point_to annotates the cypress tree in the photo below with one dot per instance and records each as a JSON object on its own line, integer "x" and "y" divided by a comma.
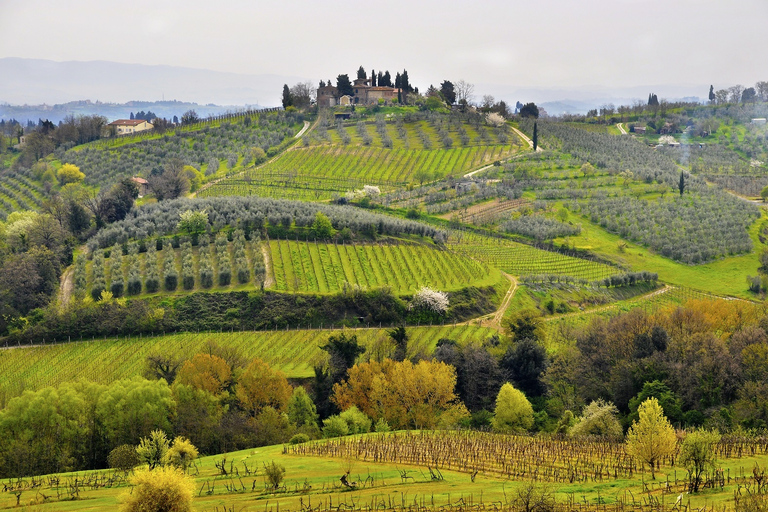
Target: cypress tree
{"x": 681, "y": 185}
{"x": 535, "y": 136}
{"x": 287, "y": 100}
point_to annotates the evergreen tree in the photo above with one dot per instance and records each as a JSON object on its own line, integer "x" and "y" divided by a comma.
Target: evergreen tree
{"x": 386, "y": 80}
{"x": 373, "y": 78}
{"x": 404, "y": 84}
{"x": 711, "y": 93}
{"x": 322, "y": 83}
{"x": 287, "y": 99}
{"x": 681, "y": 185}
{"x": 131, "y": 115}
{"x": 344, "y": 85}
{"x": 449, "y": 95}
{"x": 398, "y": 81}
{"x": 361, "y": 74}
{"x": 535, "y": 136}
{"x": 380, "y": 79}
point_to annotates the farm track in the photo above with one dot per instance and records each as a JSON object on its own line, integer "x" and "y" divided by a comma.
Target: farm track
{"x": 667, "y": 288}
{"x": 269, "y": 280}
{"x": 620, "y": 126}
{"x": 526, "y": 139}
{"x": 66, "y": 286}
{"x": 497, "y": 316}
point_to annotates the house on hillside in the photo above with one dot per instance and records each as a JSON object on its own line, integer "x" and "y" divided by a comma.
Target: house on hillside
{"x": 124, "y": 126}
{"x": 142, "y": 184}
{"x": 362, "y": 94}
{"x": 759, "y": 120}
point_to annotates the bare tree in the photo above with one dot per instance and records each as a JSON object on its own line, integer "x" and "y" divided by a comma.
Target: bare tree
{"x": 464, "y": 92}
{"x": 762, "y": 90}
{"x": 735, "y": 93}
{"x": 303, "y": 94}
{"x": 721, "y": 96}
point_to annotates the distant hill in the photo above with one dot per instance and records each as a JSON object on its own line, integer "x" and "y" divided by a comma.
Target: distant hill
{"x": 36, "y": 81}
{"x": 111, "y": 111}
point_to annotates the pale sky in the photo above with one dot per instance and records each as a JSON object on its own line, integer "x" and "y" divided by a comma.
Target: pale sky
{"x": 511, "y": 43}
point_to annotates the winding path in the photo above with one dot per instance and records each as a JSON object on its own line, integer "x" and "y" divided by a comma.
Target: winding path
{"x": 494, "y": 319}
{"x": 620, "y": 126}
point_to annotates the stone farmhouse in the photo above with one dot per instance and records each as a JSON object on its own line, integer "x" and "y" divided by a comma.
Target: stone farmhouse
{"x": 363, "y": 94}
{"x": 124, "y": 126}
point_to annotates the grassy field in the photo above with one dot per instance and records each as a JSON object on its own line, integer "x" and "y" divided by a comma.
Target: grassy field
{"x": 312, "y": 481}
{"x": 327, "y": 268}
{"x": 293, "y": 352}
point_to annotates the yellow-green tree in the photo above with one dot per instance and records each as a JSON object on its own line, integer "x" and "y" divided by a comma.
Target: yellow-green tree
{"x": 69, "y": 173}
{"x": 652, "y": 437}
{"x": 163, "y": 490}
{"x": 513, "y": 412}
{"x": 180, "y": 454}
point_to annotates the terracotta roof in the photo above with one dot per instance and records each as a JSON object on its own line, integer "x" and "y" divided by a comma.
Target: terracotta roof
{"x": 382, "y": 88}
{"x": 127, "y": 122}
{"x": 141, "y": 181}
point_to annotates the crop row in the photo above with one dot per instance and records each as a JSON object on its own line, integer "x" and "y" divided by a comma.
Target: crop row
{"x": 219, "y": 265}
{"x": 321, "y": 267}
{"x": 520, "y": 259}
{"x": 382, "y": 166}
{"x": 107, "y": 360}
{"x": 18, "y": 192}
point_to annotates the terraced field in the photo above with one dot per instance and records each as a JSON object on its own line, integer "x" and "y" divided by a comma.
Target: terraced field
{"x": 106, "y": 360}
{"x": 327, "y": 268}
{"x": 343, "y": 158}
{"x": 520, "y": 259}
{"x": 18, "y": 192}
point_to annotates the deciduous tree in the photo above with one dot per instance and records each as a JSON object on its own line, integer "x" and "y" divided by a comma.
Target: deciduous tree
{"x": 260, "y": 386}
{"x": 513, "y": 412}
{"x": 697, "y": 454}
{"x": 651, "y": 439}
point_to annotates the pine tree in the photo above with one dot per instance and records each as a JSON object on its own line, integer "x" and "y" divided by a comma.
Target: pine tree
{"x": 535, "y": 136}
{"x": 132, "y": 115}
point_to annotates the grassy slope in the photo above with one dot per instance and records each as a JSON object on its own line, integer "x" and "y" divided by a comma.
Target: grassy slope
{"x": 387, "y": 487}
{"x": 726, "y": 276}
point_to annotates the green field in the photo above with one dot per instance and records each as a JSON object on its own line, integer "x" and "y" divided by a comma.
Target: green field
{"x": 327, "y": 268}
{"x": 105, "y": 360}
{"x": 520, "y": 259}
{"x": 333, "y": 161}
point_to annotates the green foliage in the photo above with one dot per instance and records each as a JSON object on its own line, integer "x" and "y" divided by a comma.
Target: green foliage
{"x": 322, "y": 227}
{"x": 697, "y": 454}
{"x": 599, "y": 418}
{"x": 335, "y": 426}
{"x": 669, "y": 401}
{"x": 275, "y": 474}
{"x": 513, "y": 412}
{"x": 124, "y": 457}
{"x": 357, "y": 421}
{"x": 299, "y": 439}
{"x": 152, "y": 450}
{"x": 193, "y": 223}
{"x": 301, "y": 409}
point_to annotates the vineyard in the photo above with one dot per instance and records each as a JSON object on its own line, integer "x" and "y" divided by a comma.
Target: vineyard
{"x": 520, "y": 259}
{"x": 105, "y": 360}
{"x": 18, "y": 193}
{"x": 337, "y": 159}
{"x": 328, "y": 268}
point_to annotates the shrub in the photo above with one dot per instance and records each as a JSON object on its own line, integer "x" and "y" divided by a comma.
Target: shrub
{"x": 124, "y": 457}
{"x": 335, "y": 426}
{"x": 430, "y": 300}
{"x": 298, "y": 439}
{"x": 513, "y": 412}
{"x": 275, "y": 474}
{"x": 166, "y": 490}
{"x": 357, "y": 421}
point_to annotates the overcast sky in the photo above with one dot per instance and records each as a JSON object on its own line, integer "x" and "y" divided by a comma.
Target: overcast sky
{"x": 510, "y": 43}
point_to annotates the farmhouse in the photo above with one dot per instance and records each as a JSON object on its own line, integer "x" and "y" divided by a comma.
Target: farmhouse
{"x": 363, "y": 94}
{"x": 123, "y": 126}
{"x": 142, "y": 184}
